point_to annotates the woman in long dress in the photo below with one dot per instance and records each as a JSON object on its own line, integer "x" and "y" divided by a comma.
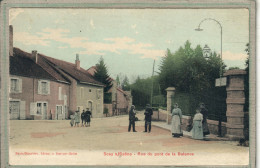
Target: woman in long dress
{"x": 77, "y": 118}
{"x": 197, "y": 130}
{"x": 176, "y": 121}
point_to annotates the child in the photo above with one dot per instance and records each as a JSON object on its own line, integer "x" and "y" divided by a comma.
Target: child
{"x": 72, "y": 118}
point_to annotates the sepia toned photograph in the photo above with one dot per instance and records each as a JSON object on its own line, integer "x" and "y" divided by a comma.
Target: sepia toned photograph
{"x": 128, "y": 84}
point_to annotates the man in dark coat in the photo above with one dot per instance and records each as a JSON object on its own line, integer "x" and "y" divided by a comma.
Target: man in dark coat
{"x": 132, "y": 119}
{"x": 204, "y": 112}
{"x": 83, "y": 115}
{"x": 88, "y": 115}
{"x": 148, "y": 117}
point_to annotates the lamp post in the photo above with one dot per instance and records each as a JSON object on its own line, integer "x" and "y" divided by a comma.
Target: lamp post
{"x": 206, "y": 52}
{"x": 220, "y": 26}
{"x": 220, "y": 71}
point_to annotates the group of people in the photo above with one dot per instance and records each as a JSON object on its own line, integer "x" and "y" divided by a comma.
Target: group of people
{"x": 85, "y": 118}
{"x": 148, "y": 118}
{"x": 199, "y": 125}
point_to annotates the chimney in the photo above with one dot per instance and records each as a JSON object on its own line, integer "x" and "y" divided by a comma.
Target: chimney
{"x": 35, "y": 56}
{"x": 77, "y": 62}
{"x": 11, "y": 47}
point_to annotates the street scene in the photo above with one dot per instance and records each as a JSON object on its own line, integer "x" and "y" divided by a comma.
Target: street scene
{"x": 110, "y": 135}
{"x": 129, "y": 86}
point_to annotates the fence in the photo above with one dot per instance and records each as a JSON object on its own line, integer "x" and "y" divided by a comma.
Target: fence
{"x": 215, "y": 101}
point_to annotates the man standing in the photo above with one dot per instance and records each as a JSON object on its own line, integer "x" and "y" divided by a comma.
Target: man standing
{"x": 87, "y": 117}
{"x": 148, "y": 117}
{"x": 132, "y": 119}
{"x": 83, "y": 118}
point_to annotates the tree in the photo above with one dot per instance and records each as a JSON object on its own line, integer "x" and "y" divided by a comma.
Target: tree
{"x": 188, "y": 71}
{"x": 246, "y": 83}
{"x": 193, "y": 78}
{"x": 117, "y": 80}
{"x": 125, "y": 84}
{"x": 101, "y": 75}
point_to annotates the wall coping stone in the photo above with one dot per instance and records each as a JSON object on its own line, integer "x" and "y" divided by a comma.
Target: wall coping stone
{"x": 235, "y": 126}
{"x": 170, "y": 89}
{"x": 235, "y": 72}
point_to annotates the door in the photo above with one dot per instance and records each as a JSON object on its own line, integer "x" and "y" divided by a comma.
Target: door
{"x": 44, "y": 110}
{"x": 14, "y": 107}
{"x": 90, "y": 105}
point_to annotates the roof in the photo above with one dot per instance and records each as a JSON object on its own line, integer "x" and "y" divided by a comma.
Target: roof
{"x": 120, "y": 90}
{"x": 21, "y": 64}
{"x": 81, "y": 75}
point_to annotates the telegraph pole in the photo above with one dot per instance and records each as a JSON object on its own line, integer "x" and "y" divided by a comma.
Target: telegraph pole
{"x": 151, "y": 101}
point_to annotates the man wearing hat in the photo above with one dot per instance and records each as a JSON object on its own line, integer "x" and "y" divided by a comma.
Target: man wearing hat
{"x": 148, "y": 117}
{"x": 83, "y": 118}
{"x": 132, "y": 119}
{"x": 88, "y": 115}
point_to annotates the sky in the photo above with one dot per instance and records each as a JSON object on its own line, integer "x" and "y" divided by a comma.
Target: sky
{"x": 129, "y": 40}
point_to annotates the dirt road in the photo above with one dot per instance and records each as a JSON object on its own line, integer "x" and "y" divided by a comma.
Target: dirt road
{"x": 107, "y": 142}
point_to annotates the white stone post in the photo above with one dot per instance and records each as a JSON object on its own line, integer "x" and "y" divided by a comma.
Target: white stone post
{"x": 170, "y": 94}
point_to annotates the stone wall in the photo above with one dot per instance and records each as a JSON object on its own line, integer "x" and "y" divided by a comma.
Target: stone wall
{"x": 186, "y": 121}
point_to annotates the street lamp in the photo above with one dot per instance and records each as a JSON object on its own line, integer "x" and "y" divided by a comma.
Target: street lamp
{"x": 199, "y": 29}
{"x": 220, "y": 71}
{"x": 206, "y": 52}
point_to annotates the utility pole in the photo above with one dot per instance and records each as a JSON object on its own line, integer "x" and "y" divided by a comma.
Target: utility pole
{"x": 152, "y": 86}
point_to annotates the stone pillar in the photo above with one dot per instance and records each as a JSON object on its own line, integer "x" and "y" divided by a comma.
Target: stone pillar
{"x": 170, "y": 94}
{"x": 235, "y": 103}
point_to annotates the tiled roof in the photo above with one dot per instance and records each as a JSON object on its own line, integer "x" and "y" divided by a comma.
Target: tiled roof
{"x": 120, "y": 90}
{"x": 23, "y": 64}
{"x": 81, "y": 75}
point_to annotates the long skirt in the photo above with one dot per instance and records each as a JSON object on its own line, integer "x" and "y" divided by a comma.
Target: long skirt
{"x": 205, "y": 128}
{"x": 176, "y": 126}
{"x": 197, "y": 130}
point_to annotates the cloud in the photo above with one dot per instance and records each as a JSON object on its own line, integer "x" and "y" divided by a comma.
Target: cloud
{"x": 13, "y": 13}
{"x": 133, "y": 26}
{"x": 227, "y": 55}
{"x": 115, "y": 45}
{"x": 28, "y": 39}
{"x": 92, "y": 24}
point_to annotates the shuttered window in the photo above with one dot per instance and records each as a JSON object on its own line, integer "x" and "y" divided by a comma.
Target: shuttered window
{"x": 43, "y": 87}
{"x": 16, "y": 85}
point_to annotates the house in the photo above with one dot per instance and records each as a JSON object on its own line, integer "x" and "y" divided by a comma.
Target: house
{"x": 121, "y": 101}
{"x": 42, "y": 87}
{"x": 124, "y": 101}
{"x": 35, "y": 93}
{"x": 85, "y": 91}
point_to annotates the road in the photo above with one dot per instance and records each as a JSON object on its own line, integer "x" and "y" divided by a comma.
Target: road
{"x": 107, "y": 142}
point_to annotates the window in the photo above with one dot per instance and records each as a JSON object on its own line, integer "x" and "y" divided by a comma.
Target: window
{"x": 89, "y": 90}
{"x": 15, "y": 85}
{"x": 43, "y": 87}
{"x": 38, "y": 108}
{"x": 60, "y": 93}
{"x": 82, "y": 92}
{"x": 99, "y": 92}
{"x": 59, "y": 109}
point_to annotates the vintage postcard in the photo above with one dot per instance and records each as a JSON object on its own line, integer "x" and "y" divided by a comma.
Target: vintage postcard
{"x": 128, "y": 83}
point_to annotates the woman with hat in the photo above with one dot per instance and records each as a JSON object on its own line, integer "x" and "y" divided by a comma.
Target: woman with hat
{"x": 176, "y": 122}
